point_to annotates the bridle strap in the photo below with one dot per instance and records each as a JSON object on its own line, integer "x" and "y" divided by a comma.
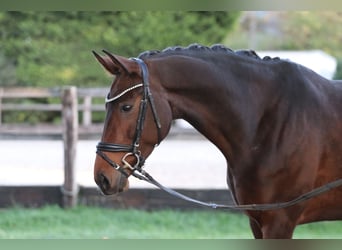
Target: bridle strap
{"x": 155, "y": 117}
{"x": 133, "y": 150}
{"x": 108, "y": 100}
{"x": 112, "y": 163}
{"x": 147, "y": 96}
{"x": 112, "y": 147}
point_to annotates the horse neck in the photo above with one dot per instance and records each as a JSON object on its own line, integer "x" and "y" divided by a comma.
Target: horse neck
{"x": 220, "y": 104}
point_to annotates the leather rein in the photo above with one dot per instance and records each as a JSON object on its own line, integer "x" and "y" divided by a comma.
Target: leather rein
{"x": 138, "y": 171}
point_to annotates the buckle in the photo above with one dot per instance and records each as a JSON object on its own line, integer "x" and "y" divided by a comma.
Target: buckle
{"x": 127, "y": 164}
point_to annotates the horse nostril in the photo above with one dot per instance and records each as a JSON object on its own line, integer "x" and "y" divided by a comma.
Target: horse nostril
{"x": 104, "y": 182}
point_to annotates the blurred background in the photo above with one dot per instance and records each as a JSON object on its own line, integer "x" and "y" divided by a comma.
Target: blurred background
{"x": 51, "y": 49}
{"x": 41, "y": 53}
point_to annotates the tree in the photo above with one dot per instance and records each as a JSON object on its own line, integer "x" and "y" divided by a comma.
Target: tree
{"x": 7, "y": 69}
{"x": 54, "y": 48}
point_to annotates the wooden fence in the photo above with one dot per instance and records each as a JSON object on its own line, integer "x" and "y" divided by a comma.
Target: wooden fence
{"x": 84, "y": 97}
{"x": 69, "y": 107}
{"x": 71, "y": 102}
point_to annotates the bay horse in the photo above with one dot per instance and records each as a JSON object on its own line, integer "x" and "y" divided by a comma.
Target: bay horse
{"x": 277, "y": 123}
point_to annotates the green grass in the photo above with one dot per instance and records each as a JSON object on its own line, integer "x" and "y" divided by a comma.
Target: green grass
{"x": 52, "y": 222}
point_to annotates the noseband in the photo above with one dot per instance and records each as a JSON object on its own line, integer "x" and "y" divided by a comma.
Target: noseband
{"x": 133, "y": 149}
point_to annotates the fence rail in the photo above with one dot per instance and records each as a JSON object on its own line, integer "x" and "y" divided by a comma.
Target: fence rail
{"x": 69, "y": 129}
{"x": 84, "y": 95}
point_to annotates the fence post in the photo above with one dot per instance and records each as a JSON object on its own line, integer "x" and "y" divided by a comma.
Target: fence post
{"x": 70, "y": 137}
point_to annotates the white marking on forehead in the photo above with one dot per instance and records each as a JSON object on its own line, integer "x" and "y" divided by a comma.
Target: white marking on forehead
{"x": 122, "y": 93}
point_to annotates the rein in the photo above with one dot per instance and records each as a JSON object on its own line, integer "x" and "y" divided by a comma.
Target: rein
{"x": 143, "y": 175}
{"x": 138, "y": 172}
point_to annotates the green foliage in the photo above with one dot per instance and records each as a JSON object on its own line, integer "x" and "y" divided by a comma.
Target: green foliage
{"x": 7, "y": 69}
{"x": 313, "y": 30}
{"x": 54, "y": 48}
{"x": 292, "y": 30}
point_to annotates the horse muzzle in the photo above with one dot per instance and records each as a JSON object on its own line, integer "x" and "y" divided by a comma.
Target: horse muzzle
{"x": 109, "y": 180}
{"x": 111, "y": 184}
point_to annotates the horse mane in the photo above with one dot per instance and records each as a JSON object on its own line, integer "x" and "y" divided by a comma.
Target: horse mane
{"x": 197, "y": 47}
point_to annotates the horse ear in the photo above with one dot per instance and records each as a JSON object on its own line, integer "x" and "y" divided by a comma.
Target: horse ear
{"x": 117, "y": 64}
{"x": 107, "y": 63}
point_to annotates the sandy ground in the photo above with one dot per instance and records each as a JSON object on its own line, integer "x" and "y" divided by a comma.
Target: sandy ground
{"x": 176, "y": 163}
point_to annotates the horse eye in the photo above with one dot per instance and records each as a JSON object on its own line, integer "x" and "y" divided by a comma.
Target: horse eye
{"x": 126, "y": 108}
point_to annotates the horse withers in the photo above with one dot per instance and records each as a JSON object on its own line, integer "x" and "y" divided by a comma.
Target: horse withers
{"x": 278, "y": 124}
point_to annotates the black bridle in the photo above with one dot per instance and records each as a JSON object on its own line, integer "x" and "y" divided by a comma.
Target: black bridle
{"x": 138, "y": 172}
{"x": 133, "y": 149}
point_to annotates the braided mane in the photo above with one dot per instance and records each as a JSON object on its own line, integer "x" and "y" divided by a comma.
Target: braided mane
{"x": 198, "y": 47}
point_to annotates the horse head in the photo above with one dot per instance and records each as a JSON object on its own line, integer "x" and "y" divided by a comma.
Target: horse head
{"x": 135, "y": 122}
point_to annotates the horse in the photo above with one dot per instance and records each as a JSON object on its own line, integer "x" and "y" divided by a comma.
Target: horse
{"x": 277, "y": 123}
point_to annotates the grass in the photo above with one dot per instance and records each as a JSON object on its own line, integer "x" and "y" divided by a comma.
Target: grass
{"x": 52, "y": 222}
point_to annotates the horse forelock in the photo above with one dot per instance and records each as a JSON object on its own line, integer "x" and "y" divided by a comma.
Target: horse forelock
{"x": 201, "y": 48}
